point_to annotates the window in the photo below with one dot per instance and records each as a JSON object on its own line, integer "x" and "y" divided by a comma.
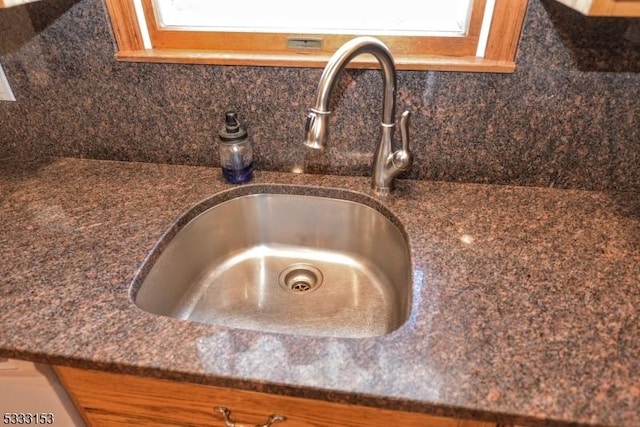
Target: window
{"x": 464, "y": 35}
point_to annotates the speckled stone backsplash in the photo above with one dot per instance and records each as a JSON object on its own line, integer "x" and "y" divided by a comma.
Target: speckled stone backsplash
{"x": 569, "y": 116}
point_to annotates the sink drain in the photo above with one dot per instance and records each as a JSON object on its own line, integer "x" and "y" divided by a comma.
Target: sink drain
{"x": 300, "y": 278}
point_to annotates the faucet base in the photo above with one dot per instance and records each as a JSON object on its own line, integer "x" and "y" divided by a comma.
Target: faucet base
{"x": 382, "y": 192}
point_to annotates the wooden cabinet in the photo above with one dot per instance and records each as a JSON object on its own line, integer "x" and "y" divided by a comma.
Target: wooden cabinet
{"x": 113, "y": 400}
{"x": 629, "y": 8}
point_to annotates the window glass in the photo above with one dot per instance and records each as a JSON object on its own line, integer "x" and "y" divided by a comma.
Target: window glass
{"x": 447, "y": 18}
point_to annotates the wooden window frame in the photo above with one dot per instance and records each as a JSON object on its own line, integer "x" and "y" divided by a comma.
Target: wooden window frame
{"x": 410, "y": 53}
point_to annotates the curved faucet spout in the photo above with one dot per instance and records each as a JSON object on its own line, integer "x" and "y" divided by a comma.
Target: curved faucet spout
{"x": 346, "y": 54}
{"x": 385, "y": 168}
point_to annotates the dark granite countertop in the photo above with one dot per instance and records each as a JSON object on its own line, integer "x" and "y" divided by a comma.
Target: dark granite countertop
{"x": 525, "y": 305}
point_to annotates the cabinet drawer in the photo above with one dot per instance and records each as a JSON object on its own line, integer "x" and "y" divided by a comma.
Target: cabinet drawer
{"x": 112, "y": 400}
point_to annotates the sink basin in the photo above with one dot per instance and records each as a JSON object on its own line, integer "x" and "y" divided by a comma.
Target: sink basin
{"x": 284, "y": 259}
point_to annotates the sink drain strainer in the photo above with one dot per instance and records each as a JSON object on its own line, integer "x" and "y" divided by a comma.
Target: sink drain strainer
{"x": 300, "y": 278}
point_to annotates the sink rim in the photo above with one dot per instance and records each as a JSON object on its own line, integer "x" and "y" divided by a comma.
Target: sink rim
{"x": 267, "y": 189}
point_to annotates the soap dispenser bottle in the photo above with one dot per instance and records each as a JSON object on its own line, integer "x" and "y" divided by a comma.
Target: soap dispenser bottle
{"x": 236, "y": 153}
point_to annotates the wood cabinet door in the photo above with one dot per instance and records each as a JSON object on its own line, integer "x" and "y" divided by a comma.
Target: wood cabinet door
{"x": 114, "y": 400}
{"x": 629, "y": 8}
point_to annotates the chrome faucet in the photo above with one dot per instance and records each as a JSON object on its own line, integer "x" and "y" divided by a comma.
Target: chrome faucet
{"x": 387, "y": 164}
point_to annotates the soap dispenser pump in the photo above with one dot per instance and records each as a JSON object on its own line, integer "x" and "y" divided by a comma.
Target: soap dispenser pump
{"x": 236, "y": 153}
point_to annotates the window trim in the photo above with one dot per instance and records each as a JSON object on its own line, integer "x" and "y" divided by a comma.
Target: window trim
{"x": 504, "y": 34}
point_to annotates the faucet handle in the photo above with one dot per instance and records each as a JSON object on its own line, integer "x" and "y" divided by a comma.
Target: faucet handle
{"x": 403, "y": 159}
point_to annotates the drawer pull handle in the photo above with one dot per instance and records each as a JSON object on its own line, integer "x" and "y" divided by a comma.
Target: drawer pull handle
{"x": 226, "y": 413}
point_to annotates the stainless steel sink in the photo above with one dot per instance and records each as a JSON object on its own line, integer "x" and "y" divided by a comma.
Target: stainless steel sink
{"x": 265, "y": 258}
